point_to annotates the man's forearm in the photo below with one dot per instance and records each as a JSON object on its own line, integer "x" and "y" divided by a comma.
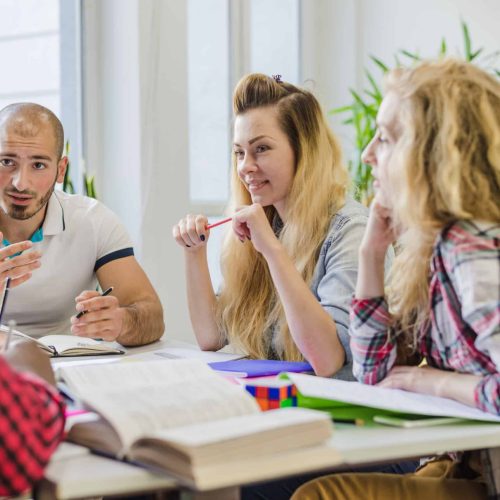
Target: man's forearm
{"x": 142, "y": 323}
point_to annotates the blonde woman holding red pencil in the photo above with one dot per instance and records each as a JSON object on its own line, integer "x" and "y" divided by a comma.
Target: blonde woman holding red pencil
{"x": 290, "y": 261}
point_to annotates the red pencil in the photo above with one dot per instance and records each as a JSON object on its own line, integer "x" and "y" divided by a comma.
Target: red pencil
{"x": 215, "y": 224}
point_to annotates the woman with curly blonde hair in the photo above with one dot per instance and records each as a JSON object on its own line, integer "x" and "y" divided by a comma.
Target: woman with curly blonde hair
{"x": 289, "y": 264}
{"x": 436, "y": 161}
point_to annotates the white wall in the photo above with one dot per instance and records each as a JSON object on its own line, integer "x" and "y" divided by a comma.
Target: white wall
{"x": 339, "y": 36}
{"x": 137, "y": 104}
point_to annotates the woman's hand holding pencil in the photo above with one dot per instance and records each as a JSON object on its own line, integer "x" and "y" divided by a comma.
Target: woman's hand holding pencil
{"x": 249, "y": 223}
{"x": 192, "y": 232}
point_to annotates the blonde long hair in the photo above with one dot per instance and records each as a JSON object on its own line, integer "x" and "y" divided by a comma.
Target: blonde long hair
{"x": 445, "y": 167}
{"x": 248, "y": 304}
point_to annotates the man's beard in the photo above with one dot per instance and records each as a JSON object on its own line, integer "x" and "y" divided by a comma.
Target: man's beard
{"x": 22, "y": 213}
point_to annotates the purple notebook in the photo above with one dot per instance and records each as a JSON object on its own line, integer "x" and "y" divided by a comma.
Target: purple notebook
{"x": 259, "y": 367}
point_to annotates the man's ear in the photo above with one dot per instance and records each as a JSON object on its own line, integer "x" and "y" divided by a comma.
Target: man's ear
{"x": 61, "y": 168}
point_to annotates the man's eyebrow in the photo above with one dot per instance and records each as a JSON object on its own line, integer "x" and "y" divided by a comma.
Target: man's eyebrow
{"x": 40, "y": 157}
{"x": 8, "y": 154}
{"x": 255, "y": 139}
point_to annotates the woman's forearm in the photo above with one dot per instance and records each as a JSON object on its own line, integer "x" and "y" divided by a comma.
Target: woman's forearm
{"x": 371, "y": 271}
{"x": 312, "y": 329}
{"x": 201, "y": 300}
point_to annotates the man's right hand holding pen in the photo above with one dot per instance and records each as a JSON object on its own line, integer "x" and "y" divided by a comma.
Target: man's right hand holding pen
{"x": 99, "y": 315}
{"x": 18, "y": 267}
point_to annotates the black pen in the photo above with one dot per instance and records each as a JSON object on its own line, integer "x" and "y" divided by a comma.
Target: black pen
{"x": 106, "y": 292}
{"x": 2, "y": 309}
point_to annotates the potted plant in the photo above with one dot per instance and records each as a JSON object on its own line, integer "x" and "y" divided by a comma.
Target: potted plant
{"x": 362, "y": 111}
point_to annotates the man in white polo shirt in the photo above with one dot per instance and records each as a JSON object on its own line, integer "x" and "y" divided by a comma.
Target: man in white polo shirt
{"x": 58, "y": 247}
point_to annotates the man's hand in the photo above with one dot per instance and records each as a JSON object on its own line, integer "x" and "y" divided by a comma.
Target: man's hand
{"x": 26, "y": 356}
{"x": 18, "y": 268}
{"x": 103, "y": 317}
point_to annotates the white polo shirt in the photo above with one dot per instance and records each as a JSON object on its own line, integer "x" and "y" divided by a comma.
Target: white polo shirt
{"x": 79, "y": 236}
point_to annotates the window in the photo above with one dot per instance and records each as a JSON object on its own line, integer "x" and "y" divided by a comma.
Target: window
{"x": 227, "y": 39}
{"x": 29, "y": 51}
{"x": 40, "y": 57}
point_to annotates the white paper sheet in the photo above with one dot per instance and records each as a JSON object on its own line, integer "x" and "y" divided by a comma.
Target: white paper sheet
{"x": 194, "y": 353}
{"x": 386, "y": 399}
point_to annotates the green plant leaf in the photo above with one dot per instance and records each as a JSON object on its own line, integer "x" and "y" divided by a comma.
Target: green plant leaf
{"x": 443, "y": 49}
{"x": 360, "y": 101}
{"x": 380, "y": 64}
{"x": 497, "y": 72}
{"x": 375, "y": 87}
{"x": 411, "y": 55}
{"x": 467, "y": 42}
{"x": 475, "y": 54}
{"x": 342, "y": 109}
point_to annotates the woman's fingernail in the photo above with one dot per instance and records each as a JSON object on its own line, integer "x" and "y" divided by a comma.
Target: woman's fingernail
{"x": 202, "y": 237}
{"x": 189, "y": 246}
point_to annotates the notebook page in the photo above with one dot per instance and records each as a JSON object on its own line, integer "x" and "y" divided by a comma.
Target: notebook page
{"x": 387, "y": 399}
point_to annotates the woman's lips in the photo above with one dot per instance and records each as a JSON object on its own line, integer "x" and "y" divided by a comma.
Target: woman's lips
{"x": 256, "y": 186}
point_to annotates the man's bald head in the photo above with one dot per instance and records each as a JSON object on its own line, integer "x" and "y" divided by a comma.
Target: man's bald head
{"x": 28, "y": 119}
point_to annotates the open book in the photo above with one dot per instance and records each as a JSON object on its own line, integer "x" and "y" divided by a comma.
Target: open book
{"x": 352, "y": 400}
{"x": 180, "y": 416}
{"x": 70, "y": 345}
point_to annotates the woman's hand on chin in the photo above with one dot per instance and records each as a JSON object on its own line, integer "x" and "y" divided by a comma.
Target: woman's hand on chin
{"x": 250, "y": 223}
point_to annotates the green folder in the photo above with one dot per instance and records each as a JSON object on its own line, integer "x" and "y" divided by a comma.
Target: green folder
{"x": 343, "y": 412}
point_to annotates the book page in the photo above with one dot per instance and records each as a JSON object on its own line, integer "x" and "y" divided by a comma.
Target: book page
{"x": 77, "y": 344}
{"x": 140, "y": 397}
{"x": 386, "y": 399}
{"x": 131, "y": 374}
{"x": 232, "y": 428}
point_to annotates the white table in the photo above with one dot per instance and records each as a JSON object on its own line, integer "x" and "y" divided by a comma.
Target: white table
{"x": 85, "y": 475}
{"x": 76, "y": 473}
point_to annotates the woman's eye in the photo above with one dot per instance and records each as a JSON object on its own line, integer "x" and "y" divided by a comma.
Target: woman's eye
{"x": 262, "y": 148}
{"x": 238, "y": 153}
{"x": 381, "y": 137}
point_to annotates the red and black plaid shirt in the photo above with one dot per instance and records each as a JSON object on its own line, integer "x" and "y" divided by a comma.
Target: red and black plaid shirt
{"x": 31, "y": 427}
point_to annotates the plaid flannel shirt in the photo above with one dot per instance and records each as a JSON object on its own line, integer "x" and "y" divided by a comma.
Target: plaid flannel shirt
{"x": 463, "y": 333}
{"x": 31, "y": 427}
